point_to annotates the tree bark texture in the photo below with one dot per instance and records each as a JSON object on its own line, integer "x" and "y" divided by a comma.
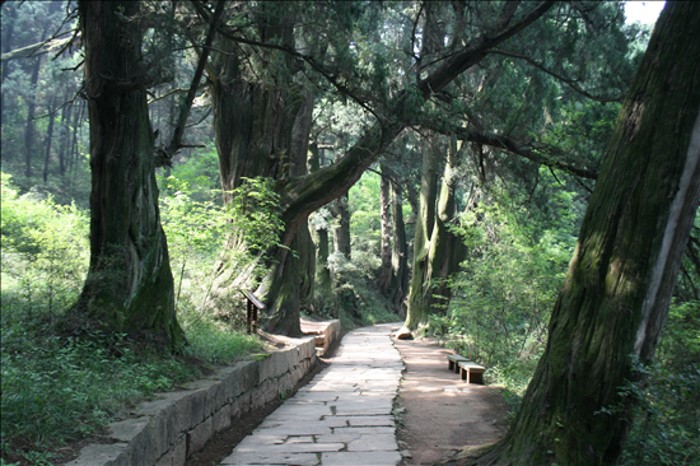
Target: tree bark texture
{"x": 129, "y": 287}
{"x": 263, "y": 130}
{"x": 447, "y": 250}
{"x": 441, "y": 251}
{"x": 614, "y": 302}
{"x": 420, "y": 296}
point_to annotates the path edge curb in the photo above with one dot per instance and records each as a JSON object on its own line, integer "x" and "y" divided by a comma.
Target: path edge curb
{"x": 175, "y": 425}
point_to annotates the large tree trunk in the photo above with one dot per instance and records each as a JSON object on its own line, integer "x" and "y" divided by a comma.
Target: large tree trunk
{"x": 437, "y": 251}
{"x": 129, "y": 287}
{"x": 263, "y": 130}
{"x": 614, "y": 301}
{"x": 447, "y": 250}
{"x": 420, "y": 296}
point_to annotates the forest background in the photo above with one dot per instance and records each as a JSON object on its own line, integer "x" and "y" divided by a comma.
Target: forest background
{"x": 462, "y": 224}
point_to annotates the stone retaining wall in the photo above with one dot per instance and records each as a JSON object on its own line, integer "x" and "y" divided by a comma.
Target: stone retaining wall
{"x": 327, "y": 334}
{"x": 331, "y": 337}
{"x": 168, "y": 430}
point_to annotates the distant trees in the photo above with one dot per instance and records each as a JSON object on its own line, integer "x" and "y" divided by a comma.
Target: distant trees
{"x": 38, "y": 89}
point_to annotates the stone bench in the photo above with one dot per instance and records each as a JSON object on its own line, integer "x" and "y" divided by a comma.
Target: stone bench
{"x": 471, "y": 372}
{"x": 453, "y": 360}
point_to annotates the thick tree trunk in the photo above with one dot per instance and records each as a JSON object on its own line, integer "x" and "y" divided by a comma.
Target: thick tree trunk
{"x": 263, "y": 130}
{"x": 614, "y": 301}
{"x": 290, "y": 285}
{"x": 447, "y": 250}
{"x": 129, "y": 287}
{"x": 420, "y": 298}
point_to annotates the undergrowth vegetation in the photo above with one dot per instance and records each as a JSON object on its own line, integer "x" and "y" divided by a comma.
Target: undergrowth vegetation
{"x": 500, "y": 309}
{"x": 57, "y": 388}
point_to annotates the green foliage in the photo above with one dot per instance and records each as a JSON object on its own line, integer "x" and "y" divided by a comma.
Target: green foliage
{"x": 57, "y": 389}
{"x": 357, "y": 298}
{"x": 505, "y": 292}
{"x": 365, "y": 226}
{"x": 213, "y": 341}
{"x": 254, "y": 211}
{"x": 666, "y": 426}
{"x": 195, "y": 226}
{"x": 44, "y": 252}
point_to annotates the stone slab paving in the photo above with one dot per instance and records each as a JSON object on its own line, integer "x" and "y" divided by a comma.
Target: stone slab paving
{"x": 342, "y": 417}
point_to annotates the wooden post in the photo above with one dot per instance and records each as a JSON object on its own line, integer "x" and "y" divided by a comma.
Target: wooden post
{"x": 254, "y": 305}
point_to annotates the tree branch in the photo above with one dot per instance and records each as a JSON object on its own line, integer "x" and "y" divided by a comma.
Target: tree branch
{"x": 186, "y": 104}
{"x": 305, "y": 194}
{"x": 569, "y": 82}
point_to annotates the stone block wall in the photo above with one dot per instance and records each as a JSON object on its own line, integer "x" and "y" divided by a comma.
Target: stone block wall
{"x": 169, "y": 429}
{"x": 327, "y": 334}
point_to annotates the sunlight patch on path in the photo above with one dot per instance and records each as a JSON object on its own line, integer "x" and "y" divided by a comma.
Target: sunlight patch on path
{"x": 342, "y": 417}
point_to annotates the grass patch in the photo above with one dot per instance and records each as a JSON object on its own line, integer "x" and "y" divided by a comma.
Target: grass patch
{"x": 57, "y": 390}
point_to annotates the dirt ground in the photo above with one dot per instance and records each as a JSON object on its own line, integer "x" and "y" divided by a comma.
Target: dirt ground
{"x": 441, "y": 413}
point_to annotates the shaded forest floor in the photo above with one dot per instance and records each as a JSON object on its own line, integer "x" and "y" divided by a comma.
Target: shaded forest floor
{"x": 440, "y": 414}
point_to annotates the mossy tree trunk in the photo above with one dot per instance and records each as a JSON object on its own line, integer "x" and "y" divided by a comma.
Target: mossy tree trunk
{"x": 262, "y": 130}
{"x": 437, "y": 251}
{"x": 419, "y": 295}
{"x": 614, "y": 302}
{"x": 129, "y": 286}
{"x": 292, "y": 272}
{"x": 447, "y": 250}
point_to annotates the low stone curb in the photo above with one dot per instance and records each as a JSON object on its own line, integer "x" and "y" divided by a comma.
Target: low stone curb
{"x": 169, "y": 429}
{"x": 327, "y": 335}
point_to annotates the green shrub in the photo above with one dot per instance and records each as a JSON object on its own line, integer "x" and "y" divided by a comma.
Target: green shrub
{"x": 58, "y": 389}
{"x": 666, "y": 423}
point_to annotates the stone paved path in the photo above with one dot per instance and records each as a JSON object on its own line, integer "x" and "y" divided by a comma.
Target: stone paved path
{"x": 342, "y": 417}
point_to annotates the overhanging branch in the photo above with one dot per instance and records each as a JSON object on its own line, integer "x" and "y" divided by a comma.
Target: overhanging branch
{"x": 569, "y": 82}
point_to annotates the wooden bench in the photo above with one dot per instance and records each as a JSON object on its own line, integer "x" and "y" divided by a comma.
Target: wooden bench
{"x": 471, "y": 372}
{"x": 453, "y": 360}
